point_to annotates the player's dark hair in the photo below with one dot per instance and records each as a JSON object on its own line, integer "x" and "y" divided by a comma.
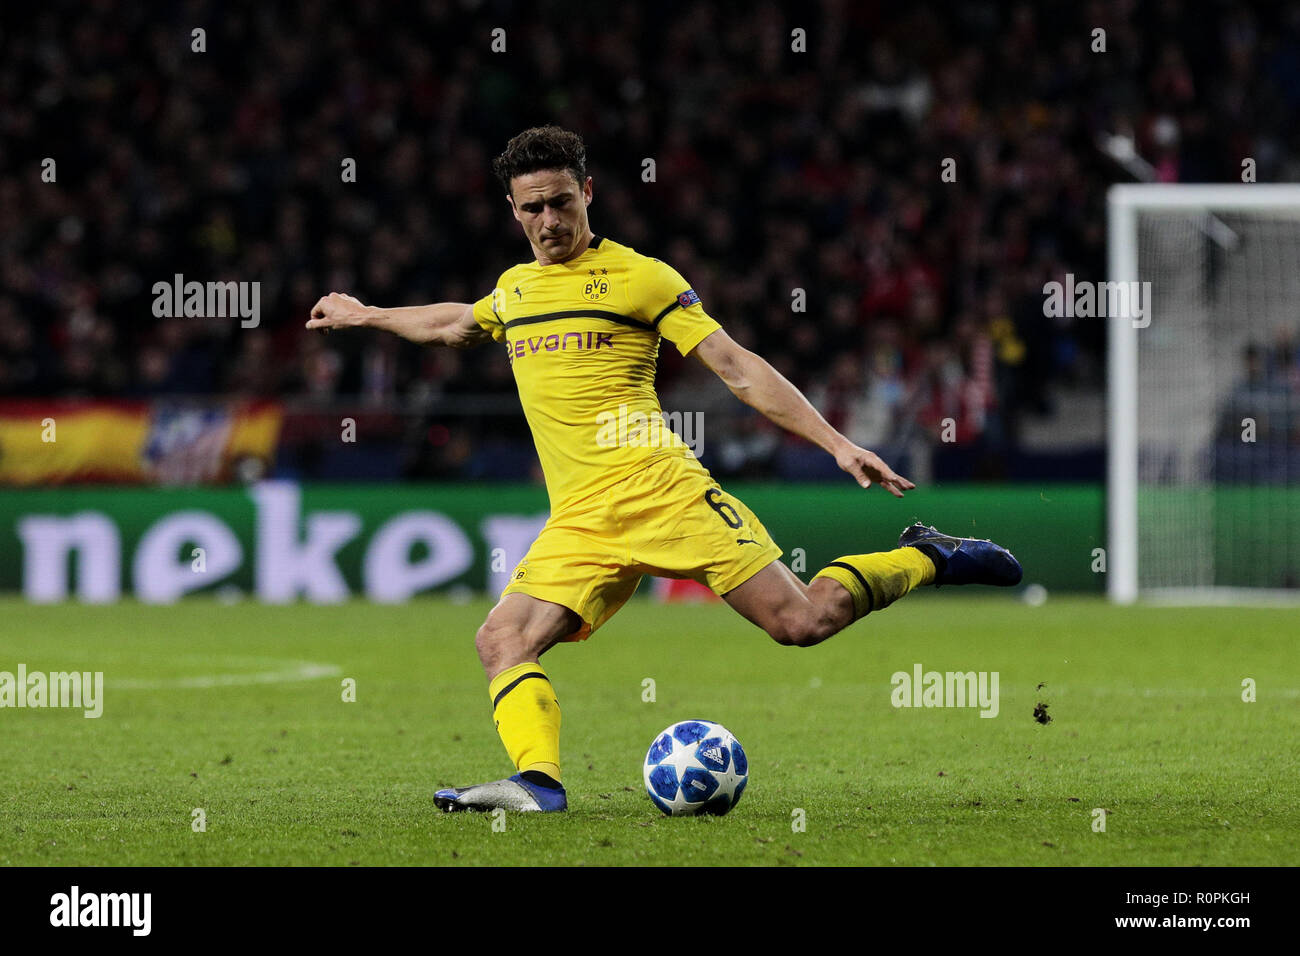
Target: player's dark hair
{"x": 539, "y": 148}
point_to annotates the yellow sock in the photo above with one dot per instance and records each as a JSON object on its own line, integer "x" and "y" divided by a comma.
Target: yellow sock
{"x": 527, "y": 716}
{"x": 878, "y": 580}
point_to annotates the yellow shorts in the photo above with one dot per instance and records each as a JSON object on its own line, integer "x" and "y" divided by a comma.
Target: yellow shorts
{"x": 670, "y": 519}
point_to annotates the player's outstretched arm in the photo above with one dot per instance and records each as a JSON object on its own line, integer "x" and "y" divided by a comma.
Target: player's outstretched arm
{"x": 444, "y": 323}
{"x": 757, "y": 384}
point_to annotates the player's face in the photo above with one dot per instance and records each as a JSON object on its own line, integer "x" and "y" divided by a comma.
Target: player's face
{"x": 552, "y": 208}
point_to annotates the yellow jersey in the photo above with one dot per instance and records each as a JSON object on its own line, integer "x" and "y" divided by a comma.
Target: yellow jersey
{"x": 583, "y": 340}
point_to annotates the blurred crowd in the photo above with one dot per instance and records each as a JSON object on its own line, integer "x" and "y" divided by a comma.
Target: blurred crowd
{"x": 1265, "y": 402}
{"x": 1257, "y": 434}
{"x": 778, "y": 173}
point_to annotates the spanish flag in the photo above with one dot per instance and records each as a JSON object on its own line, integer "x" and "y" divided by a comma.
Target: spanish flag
{"x": 132, "y": 442}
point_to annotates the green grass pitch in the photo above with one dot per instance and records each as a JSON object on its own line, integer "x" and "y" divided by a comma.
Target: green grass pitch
{"x": 237, "y": 709}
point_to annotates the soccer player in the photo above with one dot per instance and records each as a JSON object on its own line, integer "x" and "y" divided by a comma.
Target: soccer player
{"x": 581, "y": 326}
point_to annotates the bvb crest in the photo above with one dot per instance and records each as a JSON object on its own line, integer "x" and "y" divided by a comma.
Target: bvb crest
{"x": 597, "y": 286}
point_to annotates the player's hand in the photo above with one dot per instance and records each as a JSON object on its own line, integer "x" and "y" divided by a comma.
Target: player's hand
{"x": 337, "y": 311}
{"x": 867, "y": 467}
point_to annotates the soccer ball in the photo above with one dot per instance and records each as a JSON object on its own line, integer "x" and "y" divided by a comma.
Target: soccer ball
{"x": 695, "y": 766}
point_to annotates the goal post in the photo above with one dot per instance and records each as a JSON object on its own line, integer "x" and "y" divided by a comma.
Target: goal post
{"x": 1203, "y": 420}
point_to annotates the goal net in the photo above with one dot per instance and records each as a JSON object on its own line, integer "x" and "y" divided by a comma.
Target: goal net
{"x": 1203, "y": 489}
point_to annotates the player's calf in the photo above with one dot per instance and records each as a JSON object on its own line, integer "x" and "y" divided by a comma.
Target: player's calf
{"x": 792, "y": 613}
{"x": 826, "y": 609}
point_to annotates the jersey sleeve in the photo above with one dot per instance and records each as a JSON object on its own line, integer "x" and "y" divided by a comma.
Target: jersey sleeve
{"x": 667, "y": 301}
{"x": 485, "y": 314}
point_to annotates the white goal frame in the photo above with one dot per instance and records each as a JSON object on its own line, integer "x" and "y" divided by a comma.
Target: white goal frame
{"x": 1122, "y": 205}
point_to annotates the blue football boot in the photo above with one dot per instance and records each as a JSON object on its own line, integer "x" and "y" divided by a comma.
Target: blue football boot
{"x": 963, "y": 560}
{"x": 514, "y": 793}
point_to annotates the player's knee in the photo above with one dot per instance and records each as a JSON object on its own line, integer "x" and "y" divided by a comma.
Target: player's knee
{"x": 497, "y": 643}
{"x": 504, "y": 644}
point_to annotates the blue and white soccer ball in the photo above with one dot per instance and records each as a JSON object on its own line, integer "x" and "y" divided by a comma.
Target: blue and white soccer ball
{"x": 695, "y": 766}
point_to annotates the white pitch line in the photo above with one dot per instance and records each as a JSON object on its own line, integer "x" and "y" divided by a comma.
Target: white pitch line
{"x": 298, "y": 671}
